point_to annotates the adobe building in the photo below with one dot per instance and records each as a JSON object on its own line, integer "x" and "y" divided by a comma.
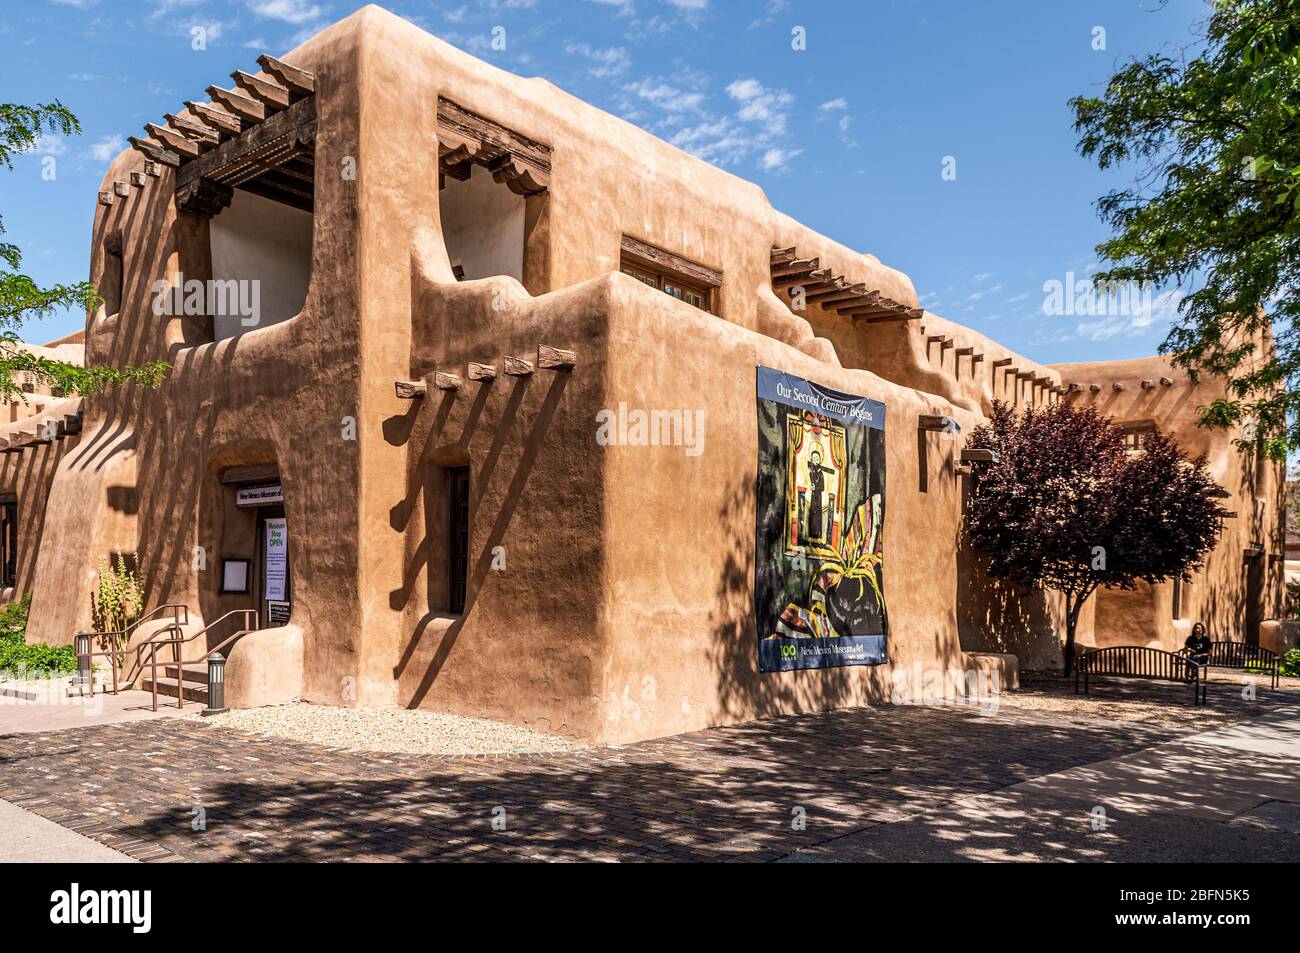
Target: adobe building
{"x": 468, "y": 403}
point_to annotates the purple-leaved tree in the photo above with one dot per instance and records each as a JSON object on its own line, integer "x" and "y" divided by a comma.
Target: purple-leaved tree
{"x": 1067, "y": 507}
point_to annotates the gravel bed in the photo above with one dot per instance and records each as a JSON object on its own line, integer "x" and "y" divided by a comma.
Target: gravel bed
{"x": 399, "y": 730}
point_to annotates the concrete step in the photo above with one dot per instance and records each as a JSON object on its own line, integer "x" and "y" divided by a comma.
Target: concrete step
{"x": 167, "y": 686}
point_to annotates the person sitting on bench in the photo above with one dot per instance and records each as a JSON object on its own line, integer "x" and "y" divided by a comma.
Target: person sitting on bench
{"x": 1197, "y": 649}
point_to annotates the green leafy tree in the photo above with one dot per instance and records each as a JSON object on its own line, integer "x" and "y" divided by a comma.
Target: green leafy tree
{"x": 1067, "y": 507}
{"x": 22, "y": 298}
{"x": 1214, "y": 131}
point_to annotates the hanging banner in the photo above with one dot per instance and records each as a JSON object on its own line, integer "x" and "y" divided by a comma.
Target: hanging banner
{"x": 819, "y": 569}
{"x": 277, "y": 560}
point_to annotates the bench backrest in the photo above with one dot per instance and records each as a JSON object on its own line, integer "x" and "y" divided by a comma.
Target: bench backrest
{"x": 1135, "y": 661}
{"x": 1241, "y": 655}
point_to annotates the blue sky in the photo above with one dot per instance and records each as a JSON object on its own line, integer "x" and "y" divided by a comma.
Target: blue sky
{"x": 849, "y": 135}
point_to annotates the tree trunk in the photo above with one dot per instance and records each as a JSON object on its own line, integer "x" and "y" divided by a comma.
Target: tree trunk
{"x": 1073, "y": 606}
{"x": 1071, "y": 623}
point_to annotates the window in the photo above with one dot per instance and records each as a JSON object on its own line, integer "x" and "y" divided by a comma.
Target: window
{"x": 110, "y": 285}
{"x": 1136, "y": 433}
{"x": 685, "y": 280}
{"x": 1178, "y": 598}
{"x": 9, "y": 542}
{"x": 459, "y": 543}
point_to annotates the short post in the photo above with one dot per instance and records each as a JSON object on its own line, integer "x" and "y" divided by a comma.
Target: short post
{"x": 81, "y": 643}
{"x": 216, "y": 685}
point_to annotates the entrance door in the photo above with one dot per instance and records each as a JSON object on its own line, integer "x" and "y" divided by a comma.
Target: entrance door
{"x": 274, "y": 589}
{"x": 1254, "y": 608}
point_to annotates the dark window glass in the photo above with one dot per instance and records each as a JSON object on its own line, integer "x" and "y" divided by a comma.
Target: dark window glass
{"x": 459, "y": 477}
{"x": 9, "y": 542}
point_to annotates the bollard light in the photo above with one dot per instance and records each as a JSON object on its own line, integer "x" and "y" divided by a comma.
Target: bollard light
{"x": 216, "y": 685}
{"x": 81, "y": 645}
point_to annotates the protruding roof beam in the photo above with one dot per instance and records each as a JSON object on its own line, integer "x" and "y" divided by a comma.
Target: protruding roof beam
{"x": 516, "y": 366}
{"x": 185, "y": 147}
{"x": 552, "y": 358}
{"x": 274, "y": 96}
{"x": 226, "y": 124}
{"x": 481, "y": 372}
{"x": 299, "y": 81}
{"x": 238, "y": 103}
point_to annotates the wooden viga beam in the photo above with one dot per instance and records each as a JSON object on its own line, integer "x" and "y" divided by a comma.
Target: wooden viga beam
{"x": 225, "y": 124}
{"x": 183, "y": 146}
{"x": 870, "y": 300}
{"x": 552, "y": 358}
{"x": 783, "y": 256}
{"x": 191, "y": 129}
{"x": 810, "y": 278}
{"x": 800, "y": 267}
{"x": 906, "y": 314}
{"x": 300, "y": 82}
{"x": 242, "y": 105}
{"x": 154, "y": 151}
{"x": 846, "y": 292}
{"x": 269, "y": 93}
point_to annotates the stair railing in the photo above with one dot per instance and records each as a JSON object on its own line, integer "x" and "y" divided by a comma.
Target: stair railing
{"x": 180, "y": 617}
{"x": 250, "y": 625}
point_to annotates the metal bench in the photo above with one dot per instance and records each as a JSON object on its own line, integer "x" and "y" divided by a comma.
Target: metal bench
{"x": 1245, "y": 657}
{"x": 1137, "y": 661}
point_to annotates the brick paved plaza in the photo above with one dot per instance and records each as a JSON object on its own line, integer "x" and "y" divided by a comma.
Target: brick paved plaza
{"x": 862, "y": 778}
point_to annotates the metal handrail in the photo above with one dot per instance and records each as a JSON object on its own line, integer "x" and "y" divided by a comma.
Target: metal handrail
{"x": 179, "y": 664}
{"x": 177, "y": 610}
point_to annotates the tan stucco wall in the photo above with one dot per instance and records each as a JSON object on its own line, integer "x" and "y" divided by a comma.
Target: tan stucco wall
{"x": 625, "y": 607}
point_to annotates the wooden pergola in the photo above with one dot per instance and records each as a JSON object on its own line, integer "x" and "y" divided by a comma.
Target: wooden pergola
{"x": 259, "y": 136}
{"x": 834, "y": 292}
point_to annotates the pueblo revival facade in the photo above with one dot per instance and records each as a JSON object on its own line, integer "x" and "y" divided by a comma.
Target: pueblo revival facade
{"x": 485, "y": 401}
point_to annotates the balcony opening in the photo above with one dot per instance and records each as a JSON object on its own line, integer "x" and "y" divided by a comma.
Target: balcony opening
{"x": 261, "y": 263}
{"x": 483, "y": 225}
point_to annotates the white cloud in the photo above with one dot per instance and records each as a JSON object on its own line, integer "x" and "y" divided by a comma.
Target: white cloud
{"x": 777, "y": 159}
{"x": 760, "y": 104}
{"x": 834, "y": 104}
{"x": 457, "y": 15}
{"x": 50, "y": 144}
{"x": 690, "y": 6}
{"x": 608, "y": 62}
{"x": 79, "y": 4}
{"x": 982, "y": 276}
{"x": 289, "y": 11}
{"x": 666, "y": 97}
{"x": 107, "y": 147}
{"x": 624, "y": 7}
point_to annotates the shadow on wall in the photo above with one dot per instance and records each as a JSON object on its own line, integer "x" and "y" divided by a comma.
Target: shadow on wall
{"x": 428, "y": 554}
{"x": 998, "y": 616}
{"x": 743, "y": 692}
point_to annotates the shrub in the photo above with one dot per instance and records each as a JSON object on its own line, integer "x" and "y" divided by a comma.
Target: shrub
{"x": 18, "y": 659}
{"x": 1291, "y": 663}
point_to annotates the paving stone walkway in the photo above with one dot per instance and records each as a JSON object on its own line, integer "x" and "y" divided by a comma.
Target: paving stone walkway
{"x": 171, "y": 790}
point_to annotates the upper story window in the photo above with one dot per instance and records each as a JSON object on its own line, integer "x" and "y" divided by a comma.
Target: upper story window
{"x": 683, "y": 279}
{"x": 1136, "y": 433}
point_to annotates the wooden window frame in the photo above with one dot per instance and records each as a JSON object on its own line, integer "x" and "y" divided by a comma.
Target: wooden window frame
{"x": 672, "y": 274}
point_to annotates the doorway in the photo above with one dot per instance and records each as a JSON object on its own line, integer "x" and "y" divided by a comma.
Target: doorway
{"x": 1254, "y": 608}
